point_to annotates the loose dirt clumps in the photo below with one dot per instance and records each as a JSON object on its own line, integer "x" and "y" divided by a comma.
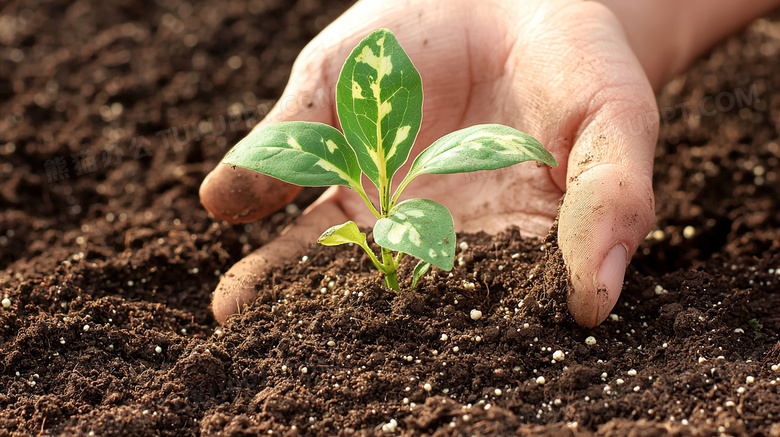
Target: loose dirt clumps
{"x": 107, "y": 272}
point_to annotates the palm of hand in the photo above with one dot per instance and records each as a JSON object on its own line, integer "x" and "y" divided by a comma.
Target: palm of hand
{"x": 560, "y": 71}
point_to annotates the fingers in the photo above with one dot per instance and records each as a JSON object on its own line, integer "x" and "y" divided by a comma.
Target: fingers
{"x": 609, "y": 206}
{"x": 239, "y": 195}
{"x": 237, "y": 287}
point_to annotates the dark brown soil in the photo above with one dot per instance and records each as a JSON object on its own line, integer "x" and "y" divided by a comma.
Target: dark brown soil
{"x": 110, "y": 263}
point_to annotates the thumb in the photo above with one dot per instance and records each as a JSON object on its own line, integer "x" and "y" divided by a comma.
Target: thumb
{"x": 239, "y": 195}
{"x": 609, "y": 206}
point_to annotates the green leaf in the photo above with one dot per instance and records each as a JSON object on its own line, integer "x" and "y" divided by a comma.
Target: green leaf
{"x": 342, "y": 234}
{"x": 300, "y": 153}
{"x": 421, "y": 228}
{"x": 479, "y": 147}
{"x": 419, "y": 270}
{"x": 379, "y": 103}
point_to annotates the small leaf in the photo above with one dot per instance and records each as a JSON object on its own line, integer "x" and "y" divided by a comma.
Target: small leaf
{"x": 419, "y": 270}
{"x": 480, "y": 147}
{"x": 342, "y": 234}
{"x": 301, "y": 153}
{"x": 379, "y": 103}
{"x": 421, "y": 228}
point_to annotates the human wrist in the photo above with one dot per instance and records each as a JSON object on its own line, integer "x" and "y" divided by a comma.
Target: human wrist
{"x": 668, "y": 35}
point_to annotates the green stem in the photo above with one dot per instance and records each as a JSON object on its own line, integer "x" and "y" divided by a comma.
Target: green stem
{"x": 384, "y": 196}
{"x": 373, "y": 259}
{"x": 390, "y": 276}
{"x": 390, "y": 265}
{"x": 359, "y": 189}
{"x": 400, "y": 189}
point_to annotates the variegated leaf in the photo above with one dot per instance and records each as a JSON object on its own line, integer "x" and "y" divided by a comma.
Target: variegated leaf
{"x": 300, "y": 153}
{"x": 421, "y": 228}
{"x": 479, "y": 147}
{"x": 379, "y": 104}
{"x": 343, "y": 234}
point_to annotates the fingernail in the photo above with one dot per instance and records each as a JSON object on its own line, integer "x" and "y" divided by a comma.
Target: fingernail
{"x": 609, "y": 280}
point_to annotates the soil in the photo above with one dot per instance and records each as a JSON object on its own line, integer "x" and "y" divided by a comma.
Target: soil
{"x": 109, "y": 268}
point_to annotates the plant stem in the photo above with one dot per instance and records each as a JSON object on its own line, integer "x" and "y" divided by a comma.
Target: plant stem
{"x": 390, "y": 276}
{"x": 373, "y": 258}
{"x": 400, "y": 189}
{"x": 391, "y": 279}
{"x": 359, "y": 189}
{"x": 384, "y": 199}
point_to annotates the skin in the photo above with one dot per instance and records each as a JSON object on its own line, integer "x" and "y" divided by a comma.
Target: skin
{"x": 578, "y": 76}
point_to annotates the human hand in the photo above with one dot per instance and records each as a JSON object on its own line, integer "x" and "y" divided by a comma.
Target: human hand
{"x": 561, "y": 71}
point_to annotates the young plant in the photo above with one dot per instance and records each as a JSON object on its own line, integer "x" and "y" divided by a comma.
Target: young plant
{"x": 379, "y": 103}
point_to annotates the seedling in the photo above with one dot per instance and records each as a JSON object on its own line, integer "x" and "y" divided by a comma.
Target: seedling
{"x": 379, "y": 104}
{"x": 756, "y": 326}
